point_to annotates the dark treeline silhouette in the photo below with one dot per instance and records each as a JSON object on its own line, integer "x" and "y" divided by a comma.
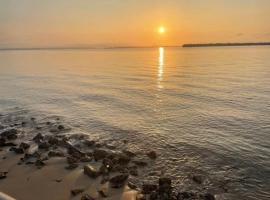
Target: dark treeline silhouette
{"x": 227, "y": 44}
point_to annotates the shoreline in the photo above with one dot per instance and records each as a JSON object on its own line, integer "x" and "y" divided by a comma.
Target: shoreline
{"x": 41, "y": 159}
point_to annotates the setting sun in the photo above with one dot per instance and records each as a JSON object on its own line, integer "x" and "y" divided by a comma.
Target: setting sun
{"x": 161, "y": 30}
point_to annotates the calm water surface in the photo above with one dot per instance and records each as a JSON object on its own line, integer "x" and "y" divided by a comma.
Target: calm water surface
{"x": 204, "y": 110}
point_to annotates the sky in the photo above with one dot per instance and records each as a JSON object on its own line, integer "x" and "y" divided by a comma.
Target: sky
{"x": 61, "y": 23}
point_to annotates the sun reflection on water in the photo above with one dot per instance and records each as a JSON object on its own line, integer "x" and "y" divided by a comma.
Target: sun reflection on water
{"x": 160, "y": 68}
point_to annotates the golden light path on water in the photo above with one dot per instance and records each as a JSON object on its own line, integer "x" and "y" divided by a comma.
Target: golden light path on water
{"x": 160, "y": 68}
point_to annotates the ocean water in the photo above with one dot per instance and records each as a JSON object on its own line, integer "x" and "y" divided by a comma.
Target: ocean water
{"x": 204, "y": 110}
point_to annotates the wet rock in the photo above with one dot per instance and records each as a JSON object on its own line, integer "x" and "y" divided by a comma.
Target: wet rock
{"x": 123, "y": 159}
{"x": 104, "y": 170}
{"x": 208, "y": 196}
{"x": 140, "y": 163}
{"x": 197, "y": 179}
{"x": 39, "y": 163}
{"x": 90, "y": 171}
{"x": 133, "y": 170}
{"x": 53, "y": 140}
{"x": 186, "y": 195}
{"x": 24, "y": 145}
{"x": 148, "y": 188}
{"x": 56, "y": 154}
{"x": 44, "y": 145}
{"x": 72, "y": 166}
{"x": 129, "y": 153}
{"x": 38, "y": 138}
{"x": 2, "y": 142}
{"x": 118, "y": 180}
{"x": 61, "y": 127}
{"x": 86, "y": 159}
{"x": 103, "y": 193}
{"x": 75, "y": 152}
{"x": 76, "y": 191}
{"x": 48, "y": 123}
{"x": 132, "y": 185}
{"x": 3, "y": 175}
{"x": 87, "y": 197}
{"x": 16, "y": 150}
{"x": 164, "y": 183}
{"x": 152, "y": 154}
{"x": 9, "y": 134}
{"x": 89, "y": 143}
{"x": 71, "y": 160}
{"x": 99, "y": 154}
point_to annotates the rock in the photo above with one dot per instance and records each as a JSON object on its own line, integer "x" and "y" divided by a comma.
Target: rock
{"x": 38, "y": 138}
{"x": 99, "y": 154}
{"x": 208, "y": 196}
{"x": 90, "y": 171}
{"x": 103, "y": 193}
{"x": 71, "y": 160}
{"x": 9, "y": 134}
{"x": 197, "y": 179}
{"x": 89, "y": 143}
{"x": 133, "y": 170}
{"x": 24, "y": 145}
{"x": 61, "y": 127}
{"x": 76, "y": 191}
{"x": 53, "y": 140}
{"x": 73, "y": 151}
{"x": 129, "y": 153}
{"x": 164, "y": 182}
{"x": 72, "y": 166}
{"x": 3, "y": 175}
{"x": 123, "y": 159}
{"x": 152, "y": 154}
{"x": 118, "y": 180}
{"x": 48, "y": 123}
{"x": 140, "y": 163}
{"x": 185, "y": 195}
{"x": 87, "y": 197}
{"x": 132, "y": 185}
{"x": 2, "y": 142}
{"x": 17, "y": 150}
{"x": 86, "y": 159}
{"x": 148, "y": 188}
{"x": 56, "y": 154}
{"x": 44, "y": 145}
{"x": 39, "y": 163}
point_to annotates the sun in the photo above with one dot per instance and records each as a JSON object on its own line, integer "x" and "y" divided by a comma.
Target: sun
{"x": 161, "y": 30}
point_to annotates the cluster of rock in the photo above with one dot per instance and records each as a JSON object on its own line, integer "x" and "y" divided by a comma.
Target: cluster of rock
{"x": 113, "y": 166}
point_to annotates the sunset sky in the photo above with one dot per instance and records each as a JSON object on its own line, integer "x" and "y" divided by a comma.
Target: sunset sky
{"x": 46, "y": 23}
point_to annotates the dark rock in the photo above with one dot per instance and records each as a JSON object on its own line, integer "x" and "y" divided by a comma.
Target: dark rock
{"x": 17, "y": 150}
{"x": 71, "y": 160}
{"x": 48, "y": 123}
{"x": 132, "y": 185}
{"x": 140, "y": 163}
{"x": 90, "y": 171}
{"x": 208, "y": 196}
{"x": 33, "y": 118}
{"x": 56, "y": 154}
{"x": 186, "y": 195}
{"x": 87, "y": 197}
{"x": 61, "y": 127}
{"x": 105, "y": 179}
{"x": 9, "y": 134}
{"x": 118, "y": 180}
{"x": 38, "y": 138}
{"x": 86, "y": 159}
{"x": 148, "y": 188}
{"x": 123, "y": 159}
{"x": 152, "y": 154}
{"x": 53, "y": 140}
{"x": 133, "y": 170}
{"x": 39, "y": 163}
{"x": 164, "y": 184}
{"x": 103, "y": 193}
{"x": 3, "y": 175}
{"x": 89, "y": 143}
{"x": 197, "y": 179}
{"x": 73, "y": 151}
{"x": 2, "y": 142}
{"x": 44, "y": 145}
{"x": 76, "y": 191}
{"x": 103, "y": 170}
{"x": 24, "y": 145}
{"x": 72, "y": 166}
{"x": 99, "y": 154}
{"x": 129, "y": 153}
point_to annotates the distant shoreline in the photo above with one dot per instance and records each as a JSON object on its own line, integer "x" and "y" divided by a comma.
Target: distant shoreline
{"x": 133, "y": 47}
{"x": 226, "y": 44}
